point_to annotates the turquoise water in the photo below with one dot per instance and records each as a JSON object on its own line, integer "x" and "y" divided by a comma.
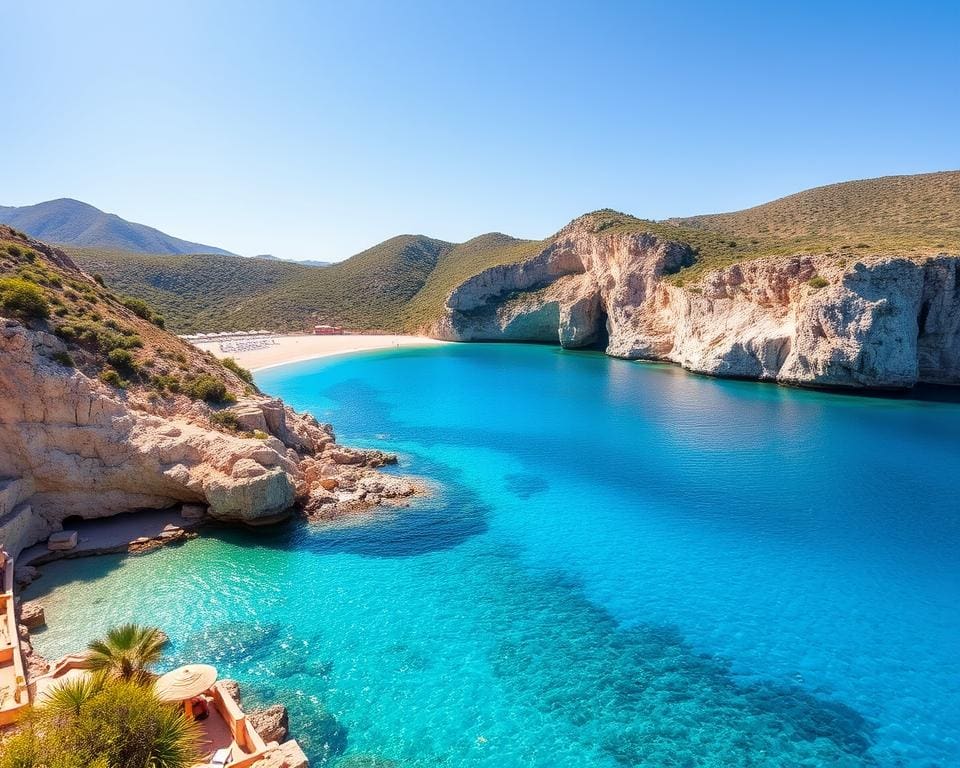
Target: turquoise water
{"x": 626, "y": 566}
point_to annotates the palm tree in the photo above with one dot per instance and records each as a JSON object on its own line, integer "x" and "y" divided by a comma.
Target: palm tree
{"x": 127, "y": 652}
{"x": 175, "y": 740}
{"x": 134, "y": 729}
{"x": 106, "y": 723}
{"x": 69, "y": 697}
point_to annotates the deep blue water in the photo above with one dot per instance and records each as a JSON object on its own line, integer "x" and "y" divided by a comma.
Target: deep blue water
{"x": 623, "y": 565}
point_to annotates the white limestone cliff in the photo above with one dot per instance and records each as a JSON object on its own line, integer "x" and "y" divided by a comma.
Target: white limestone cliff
{"x": 876, "y": 323}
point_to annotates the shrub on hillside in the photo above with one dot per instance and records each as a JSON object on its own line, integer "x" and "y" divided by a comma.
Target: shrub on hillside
{"x": 63, "y": 358}
{"x": 139, "y": 307}
{"x": 232, "y": 365}
{"x": 206, "y": 387}
{"x": 122, "y": 360}
{"x": 114, "y": 379}
{"x": 20, "y": 297}
{"x": 99, "y": 337}
{"x": 816, "y": 282}
{"x": 226, "y": 419}
{"x": 166, "y": 383}
{"x": 66, "y": 332}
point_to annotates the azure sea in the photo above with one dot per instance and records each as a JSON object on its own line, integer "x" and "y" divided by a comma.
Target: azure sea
{"x": 620, "y": 564}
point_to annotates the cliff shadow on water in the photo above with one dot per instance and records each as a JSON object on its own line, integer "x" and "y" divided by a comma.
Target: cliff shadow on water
{"x": 428, "y": 525}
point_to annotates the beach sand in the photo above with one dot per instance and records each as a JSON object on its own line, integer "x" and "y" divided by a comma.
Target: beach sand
{"x": 292, "y": 349}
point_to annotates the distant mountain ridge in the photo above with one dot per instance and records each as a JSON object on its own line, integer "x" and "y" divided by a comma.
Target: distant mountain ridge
{"x": 305, "y": 262}
{"x": 71, "y": 222}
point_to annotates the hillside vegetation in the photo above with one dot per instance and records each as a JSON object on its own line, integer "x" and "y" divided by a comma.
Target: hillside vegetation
{"x": 367, "y": 291}
{"x": 192, "y": 292}
{"x": 116, "y": 338}
{"x": 213, "y": 293}
{"x": 889, "y": 216}
{"x": 402, "y": 283}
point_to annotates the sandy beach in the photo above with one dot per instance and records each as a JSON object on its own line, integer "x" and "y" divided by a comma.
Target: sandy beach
{"x": 293, "y": 349}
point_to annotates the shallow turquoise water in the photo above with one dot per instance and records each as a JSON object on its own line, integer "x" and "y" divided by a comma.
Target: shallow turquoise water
{"x": 626, "y": 565}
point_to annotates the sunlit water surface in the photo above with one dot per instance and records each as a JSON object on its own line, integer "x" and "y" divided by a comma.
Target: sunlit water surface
{"x": 625, "y": 565}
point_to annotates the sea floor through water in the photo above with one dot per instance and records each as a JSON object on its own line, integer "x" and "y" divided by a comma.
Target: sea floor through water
{"x": 624, "y": 565}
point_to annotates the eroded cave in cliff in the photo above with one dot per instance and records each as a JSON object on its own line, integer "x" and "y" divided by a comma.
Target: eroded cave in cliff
{"x": 600, "y": 337}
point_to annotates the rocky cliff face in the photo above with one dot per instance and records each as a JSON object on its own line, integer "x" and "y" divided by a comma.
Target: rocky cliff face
{"x": 71, "y": 445}
{"x": 877, "y": 322}
{"x": 102, "y": 411}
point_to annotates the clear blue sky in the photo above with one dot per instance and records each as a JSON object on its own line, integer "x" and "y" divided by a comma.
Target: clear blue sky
{"x": 313, "y": 130}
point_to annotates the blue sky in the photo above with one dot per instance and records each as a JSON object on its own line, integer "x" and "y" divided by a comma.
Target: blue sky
{"x": 314, "y": 130}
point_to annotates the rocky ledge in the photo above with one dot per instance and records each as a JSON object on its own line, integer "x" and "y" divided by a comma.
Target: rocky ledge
{"x": 807, "y": 320}
{"x": 73, "y": 446}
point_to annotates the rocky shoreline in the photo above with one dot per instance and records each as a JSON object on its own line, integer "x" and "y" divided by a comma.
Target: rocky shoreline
{"x": 75, "y": 448}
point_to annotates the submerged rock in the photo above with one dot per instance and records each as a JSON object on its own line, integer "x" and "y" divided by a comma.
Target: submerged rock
{"x": 365, "y": 761}
{"x": 25, "y": 575}
{"x": 232, "y": 689}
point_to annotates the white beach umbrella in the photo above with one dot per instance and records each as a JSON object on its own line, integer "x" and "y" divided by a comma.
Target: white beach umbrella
{"x": 185, "y": 682}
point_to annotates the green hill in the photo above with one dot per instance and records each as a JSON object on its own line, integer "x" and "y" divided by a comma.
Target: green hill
{"x": 71, "y": 222}
{"x": 925, "y": 205}
{"x": 366, "y": 291}
{"x": 191, "y": 292}
{"x": 214, "y": 293}
{"x": 892, "y": 216}
{"x": 402, "y": 283}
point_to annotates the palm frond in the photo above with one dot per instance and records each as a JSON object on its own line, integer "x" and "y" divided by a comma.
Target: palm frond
{"x": 127, "y": 651}
{"x": 176, "y": 741}
{"x": 69, "y": 697}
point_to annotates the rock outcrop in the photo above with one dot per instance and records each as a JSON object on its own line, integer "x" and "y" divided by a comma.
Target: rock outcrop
{"x": 71, "y": 445}
{"x": 287, "y": 755}
{"x": 32, "y": 615}
{"x": 806, "y": 320}
{"x": 272, "y": 723}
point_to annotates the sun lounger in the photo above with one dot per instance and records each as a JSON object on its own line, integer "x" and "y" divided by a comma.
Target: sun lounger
{"x": 220, "y": 758}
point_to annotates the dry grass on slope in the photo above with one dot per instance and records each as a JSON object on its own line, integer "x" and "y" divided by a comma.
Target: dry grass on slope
{"x": 913, "y": 216}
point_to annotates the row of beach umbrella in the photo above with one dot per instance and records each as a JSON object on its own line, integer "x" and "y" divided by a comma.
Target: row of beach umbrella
{"x": 224, "y": 334}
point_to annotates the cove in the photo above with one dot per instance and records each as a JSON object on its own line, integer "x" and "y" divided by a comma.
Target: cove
{"x": 624, "y": 565}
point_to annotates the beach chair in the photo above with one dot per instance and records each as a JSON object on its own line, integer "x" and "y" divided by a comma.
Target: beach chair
{"x": 220, "y": 758}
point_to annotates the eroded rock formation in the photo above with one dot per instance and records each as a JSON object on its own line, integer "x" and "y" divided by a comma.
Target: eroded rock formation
{"x": 817, "y": 321}
{"x": 74, "y": 446}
